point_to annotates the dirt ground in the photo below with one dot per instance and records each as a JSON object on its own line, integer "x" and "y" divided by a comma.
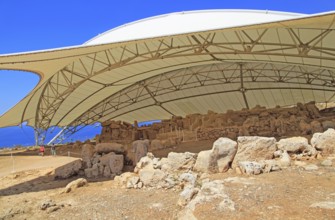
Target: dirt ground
{"x": 285, "y": 194}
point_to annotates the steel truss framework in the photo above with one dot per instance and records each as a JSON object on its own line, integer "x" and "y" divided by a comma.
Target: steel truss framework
{"x": 160, "y": 89}
{"x": 243, "y": 58}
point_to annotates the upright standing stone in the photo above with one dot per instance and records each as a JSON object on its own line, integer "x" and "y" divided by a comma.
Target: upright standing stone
{"x": 116, "y": 163}
{"x": 87, "y": 153}
{"x": 223, "y": 153}
{"x": 140, "y": 148}
{"x": 218, "y": 159}
{"x": 202, "y": 163}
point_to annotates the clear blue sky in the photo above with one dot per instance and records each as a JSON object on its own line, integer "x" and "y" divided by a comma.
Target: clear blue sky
{"x": 36, "y": 25}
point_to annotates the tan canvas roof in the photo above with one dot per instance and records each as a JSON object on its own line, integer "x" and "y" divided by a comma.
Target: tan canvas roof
{"x": 274, "y": 59}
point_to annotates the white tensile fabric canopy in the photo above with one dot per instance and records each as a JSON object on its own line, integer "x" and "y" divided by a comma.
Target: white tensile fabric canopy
{"x": 179, "y": 64}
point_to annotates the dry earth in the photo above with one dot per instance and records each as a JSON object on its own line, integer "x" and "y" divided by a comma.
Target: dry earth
{"x": 285, "y": 194}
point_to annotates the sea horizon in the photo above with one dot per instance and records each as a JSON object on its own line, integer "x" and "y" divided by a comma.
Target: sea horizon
{"x": 23, "y": 136}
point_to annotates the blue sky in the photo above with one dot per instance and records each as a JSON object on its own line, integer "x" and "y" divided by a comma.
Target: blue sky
{"x": 37, "y": 25}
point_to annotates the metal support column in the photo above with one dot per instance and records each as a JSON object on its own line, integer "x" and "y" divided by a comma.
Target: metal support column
{"x": 39, "y": 136}
{"x": 242, "y": 89}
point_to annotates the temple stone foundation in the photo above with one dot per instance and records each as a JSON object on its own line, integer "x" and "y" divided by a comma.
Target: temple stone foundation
{"x": 300, "y": 120}
{"x": 273, "y": 137}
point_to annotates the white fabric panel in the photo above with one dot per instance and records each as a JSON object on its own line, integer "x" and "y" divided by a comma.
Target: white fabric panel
{"x": 145, "y": 114}
{"x": 184, "y": 22}
{"x": 229, "y": 35}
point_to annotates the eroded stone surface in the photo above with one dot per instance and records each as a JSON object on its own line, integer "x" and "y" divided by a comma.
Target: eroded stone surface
{"x": 68, "y": 170}
{"x": 254, "y": 148}
{"x": 75, "y": 184}
{"x": 324, "y": 141}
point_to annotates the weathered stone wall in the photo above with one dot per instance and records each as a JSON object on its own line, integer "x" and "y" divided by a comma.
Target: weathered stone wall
{"x": 277, "y": 122}
{"x": 117, "y": 130}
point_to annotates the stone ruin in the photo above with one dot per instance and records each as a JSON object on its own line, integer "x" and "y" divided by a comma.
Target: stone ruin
{"x": 244, "y": 152}
{"x": 190, "y": 173}
{"x": 249, "y": 155}
{"x": 120, "y": 146}
{"x": 303, "y": 119}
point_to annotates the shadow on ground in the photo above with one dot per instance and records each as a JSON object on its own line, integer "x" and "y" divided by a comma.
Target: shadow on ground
{"x": 45, "y": 182}
{"x": 42, "y": 183}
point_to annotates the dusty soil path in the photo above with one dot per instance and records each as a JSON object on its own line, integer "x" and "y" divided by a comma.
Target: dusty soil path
{"x": 16, "y": 163}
